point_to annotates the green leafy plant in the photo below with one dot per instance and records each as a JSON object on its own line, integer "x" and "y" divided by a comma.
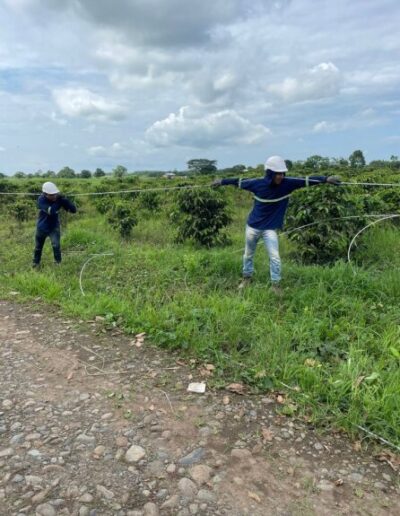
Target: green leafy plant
{"x": 149, "y": 201}
{"x": 22, "y": 211}
{"x": 201, "y": 216}
{"x": 122, "y": 218}
{"x": 328, "y": 240}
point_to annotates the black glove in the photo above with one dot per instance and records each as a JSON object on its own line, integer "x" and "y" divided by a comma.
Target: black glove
{"x": 333, "y": 180}
{"x": 216, "y": 183}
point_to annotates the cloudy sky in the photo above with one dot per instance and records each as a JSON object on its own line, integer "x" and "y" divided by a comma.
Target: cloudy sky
{"x": 150, "y": 84}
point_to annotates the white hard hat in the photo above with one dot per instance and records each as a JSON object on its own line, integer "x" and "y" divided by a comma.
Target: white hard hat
{"x": 50, "y": 188}
{"x": 276, "y": 164}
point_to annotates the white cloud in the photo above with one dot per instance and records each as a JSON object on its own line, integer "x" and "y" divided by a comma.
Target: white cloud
{"x": 2, "y": 149}
{"x": 321, "y": 81}
{"x": 114, "y": 150}
{"x": 189, "y": 129}
{"x": 80, "y": 102}
{"x": 324, "y": 127}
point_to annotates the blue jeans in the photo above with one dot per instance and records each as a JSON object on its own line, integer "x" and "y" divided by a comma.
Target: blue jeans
{"x": 40, "y": 237}
{"x": 271, "y": 242}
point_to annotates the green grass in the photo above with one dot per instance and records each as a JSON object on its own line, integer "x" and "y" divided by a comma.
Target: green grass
{"x": 333, "y": 336}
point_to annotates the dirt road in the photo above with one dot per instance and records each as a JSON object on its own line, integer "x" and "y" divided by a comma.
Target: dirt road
{"x": 95, "y": 423}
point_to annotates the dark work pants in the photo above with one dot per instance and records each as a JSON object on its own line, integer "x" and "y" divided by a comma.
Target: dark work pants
{"x": 40, "y": 238}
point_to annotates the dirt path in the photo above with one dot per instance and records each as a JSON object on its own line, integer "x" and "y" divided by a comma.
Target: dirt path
{"x": 77, "y": 438}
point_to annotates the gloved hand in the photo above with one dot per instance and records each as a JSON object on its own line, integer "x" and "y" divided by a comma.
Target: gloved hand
{"x": 333, "y": 180}
{"x": 216, "y": 183}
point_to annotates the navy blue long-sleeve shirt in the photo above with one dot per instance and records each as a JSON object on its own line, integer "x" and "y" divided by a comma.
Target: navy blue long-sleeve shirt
{"x": 48, "y": 212}
{"x": 271, "y": 201}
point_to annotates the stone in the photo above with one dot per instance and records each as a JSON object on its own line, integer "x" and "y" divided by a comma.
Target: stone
{"x": 195, "y": 456}
{"x": 104, "y": 492}
{"x": 171, "y": 503}
{"x": 45, "y": 509}
{"x": 86, "y": 439}
{"x": 7, "y": 452}
{"x": 206, "y": 496}
{"x": 171, "y": 468}
{"x": 99, "y": 451}
{"x": 187, "y": 487}
{"x": 35, "y": 454}
{"x": 86, "y": 498}
{"x": 135, "y": 454}
{"x": 121, "y": 441}
{"x": 324, "y": 485}
{"x": 241, "y": 453}
{"x": 7, "y": 405}
{"x": 356, "y": 477}
{"x": 32, "y": 480}
{"x": 200, "y": 474}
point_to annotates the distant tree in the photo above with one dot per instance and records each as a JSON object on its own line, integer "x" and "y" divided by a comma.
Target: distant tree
{"x": 49, "y": 173}
{"x": 343, "y": 162}
{"x": 378, "y": 163}
{"x": 38, "y": 173}
{"x": 316, "y": 162}
{"x": 289, "y": 164}
{"x": 357, "y": 159}
{"x": 67, "y": 173}
{"x": 202, "y": 166}
{"x": 85, "y": 174}
{"x": 2, "y": 175}
{"x": 239, "y": 168}
{"x": 394, "y": 162}
{"x": 120, "y": 171}
{"x": 19, "y": 175}
{"x": 99, "y": 173}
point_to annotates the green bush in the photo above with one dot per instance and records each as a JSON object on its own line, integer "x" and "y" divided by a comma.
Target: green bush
{"x": 149, "y": 201}
{"x": 103, "y": 203}
{"x": 328, "y": 240}
{"x": 201, "y": 215}
{"x": 22, "y": 210}
{"x": 122, "y": 218}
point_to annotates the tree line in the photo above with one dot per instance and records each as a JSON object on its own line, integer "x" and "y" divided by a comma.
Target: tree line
{"x": 203, "y": 166}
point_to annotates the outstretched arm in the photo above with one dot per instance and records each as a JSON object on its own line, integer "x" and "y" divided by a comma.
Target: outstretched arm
{"x": 244, "y": 184}
{"x": 302, "y": 182}
{"x": 225, "y": 182}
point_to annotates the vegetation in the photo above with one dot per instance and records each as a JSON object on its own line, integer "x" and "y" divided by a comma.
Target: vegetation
{"x": 331, "y": 342}
{"x": 200, "y": 217}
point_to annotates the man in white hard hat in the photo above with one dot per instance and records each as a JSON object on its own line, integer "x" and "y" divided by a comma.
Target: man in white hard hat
{"x": 48, "y": 224}
{"x": 271, "y": 196}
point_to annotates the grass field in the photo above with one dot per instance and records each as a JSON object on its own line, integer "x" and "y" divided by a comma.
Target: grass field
{"x": 333, "y": 337}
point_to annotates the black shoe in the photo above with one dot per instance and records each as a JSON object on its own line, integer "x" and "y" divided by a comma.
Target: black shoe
{"x": 57, "y": 263}
{"x": 35, "y": 265}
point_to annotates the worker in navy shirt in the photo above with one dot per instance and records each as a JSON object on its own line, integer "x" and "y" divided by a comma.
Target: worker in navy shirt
{"x": 50, "y": 203}
{"x": 271, "y": 197}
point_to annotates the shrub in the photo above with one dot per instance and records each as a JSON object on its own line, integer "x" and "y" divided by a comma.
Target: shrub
{"x": 328, "y": 240}
{"x": 149, "y": 201}
{"x": 103, "y": 203}
{"x": 200, "y": 216}
{"x": 22, "y": 210}
{"x": 122, "y": 218}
